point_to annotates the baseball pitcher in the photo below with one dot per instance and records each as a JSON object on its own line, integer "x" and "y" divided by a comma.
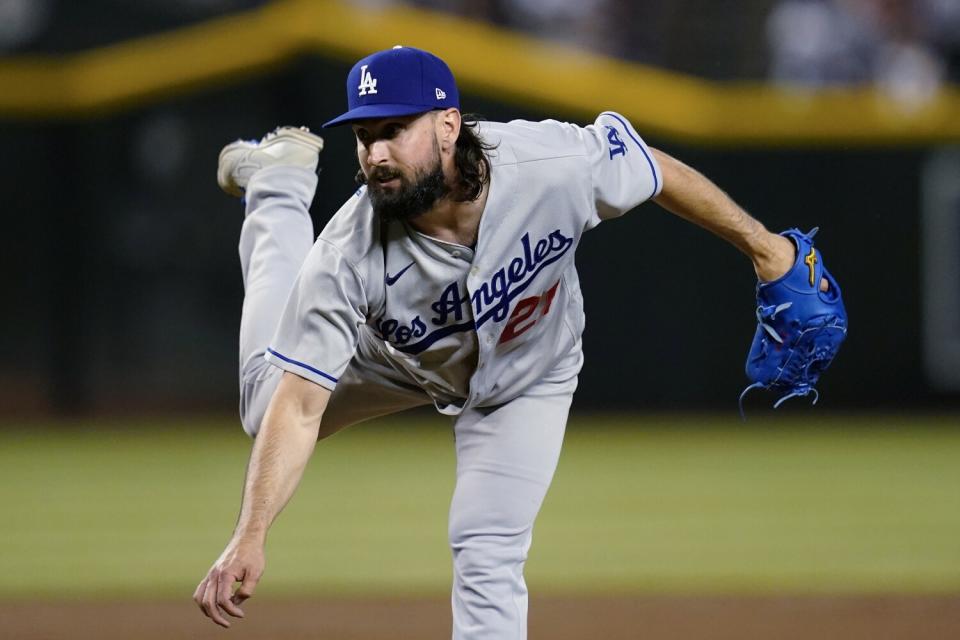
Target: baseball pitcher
{"x": 447, "y": 279}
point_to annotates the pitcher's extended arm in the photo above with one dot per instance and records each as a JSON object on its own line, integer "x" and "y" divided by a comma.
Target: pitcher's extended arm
{"x": 690, "y": 195}
{"x": 280, "y": 454}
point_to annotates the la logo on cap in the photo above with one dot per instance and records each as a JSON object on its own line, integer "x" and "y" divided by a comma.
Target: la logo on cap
{"x": 403, "y": 81}
{"x": 368, "y": 84}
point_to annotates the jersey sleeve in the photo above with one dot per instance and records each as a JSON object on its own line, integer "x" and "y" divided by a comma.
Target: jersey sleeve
{"x": 320, "y": 326}
{"x": 624, "y": 172}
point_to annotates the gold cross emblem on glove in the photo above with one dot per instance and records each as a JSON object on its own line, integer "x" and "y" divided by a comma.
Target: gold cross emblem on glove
{"x": 811, "y": 260}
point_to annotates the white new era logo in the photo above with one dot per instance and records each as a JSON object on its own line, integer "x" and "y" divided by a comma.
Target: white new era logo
{"x": 441, "y": 94}
{"x": 368, "y": 84}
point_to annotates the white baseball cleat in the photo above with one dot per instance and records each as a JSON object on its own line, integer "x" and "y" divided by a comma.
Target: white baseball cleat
{"x": 284, "y": 146}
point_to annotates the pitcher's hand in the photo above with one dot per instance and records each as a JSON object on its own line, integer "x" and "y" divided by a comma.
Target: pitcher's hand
{"x": 241, "y": 562}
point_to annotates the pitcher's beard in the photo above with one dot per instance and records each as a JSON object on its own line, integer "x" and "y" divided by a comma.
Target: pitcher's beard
{"x": 409, "y": 199}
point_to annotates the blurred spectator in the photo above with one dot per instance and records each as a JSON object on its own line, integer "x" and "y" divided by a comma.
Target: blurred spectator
{"x": 903, "y": 46}
{"x": 576, "y": 21}
{"x": 719, "y": 39}
{"x": 21, "y": 21}
{"x": 943, "y": 20}
{"x": 64, "y": 26}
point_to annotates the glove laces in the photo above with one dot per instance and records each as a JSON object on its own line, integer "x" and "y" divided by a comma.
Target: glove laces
{"x": 769, "y": 313}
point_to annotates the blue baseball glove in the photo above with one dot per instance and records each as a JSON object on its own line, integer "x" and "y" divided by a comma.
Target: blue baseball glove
{"x": 799, "y": 327}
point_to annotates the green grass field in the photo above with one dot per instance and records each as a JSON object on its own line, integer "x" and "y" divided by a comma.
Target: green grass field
{"x": 652, "y": 504}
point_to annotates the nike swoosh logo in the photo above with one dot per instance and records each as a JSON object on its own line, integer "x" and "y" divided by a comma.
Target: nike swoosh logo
{"x": 391, "y": 280}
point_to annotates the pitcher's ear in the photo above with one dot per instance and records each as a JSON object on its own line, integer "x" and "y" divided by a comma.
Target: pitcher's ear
{"x": 448, "y": 123}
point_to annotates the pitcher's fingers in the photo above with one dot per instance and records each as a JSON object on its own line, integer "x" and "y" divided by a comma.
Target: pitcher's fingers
{"x": 198, "y": 593}
{"x": 201, "y": 596}
{"x": 223, "y": 595}
{"x": 246, "y": 588}
{"x": 210, "y": 600}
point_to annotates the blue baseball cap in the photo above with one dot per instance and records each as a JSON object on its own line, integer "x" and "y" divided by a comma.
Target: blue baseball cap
{"x": 401, "y": 81}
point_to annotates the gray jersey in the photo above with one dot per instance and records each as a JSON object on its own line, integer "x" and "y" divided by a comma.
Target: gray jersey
{"x": 471, "y": 327}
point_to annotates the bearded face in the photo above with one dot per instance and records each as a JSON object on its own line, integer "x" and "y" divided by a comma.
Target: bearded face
{"x": 401, "y": 164}
{"x": 396, "y": 196}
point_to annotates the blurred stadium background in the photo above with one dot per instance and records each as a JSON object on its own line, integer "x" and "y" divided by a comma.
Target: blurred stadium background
{"x": 120, "y": 458}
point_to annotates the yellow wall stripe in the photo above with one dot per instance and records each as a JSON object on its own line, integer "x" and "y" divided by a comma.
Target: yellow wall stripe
{"x": 486, "y": 60}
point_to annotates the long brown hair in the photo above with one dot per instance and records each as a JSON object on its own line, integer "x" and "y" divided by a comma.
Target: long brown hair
{"x": 470, "y": 159}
